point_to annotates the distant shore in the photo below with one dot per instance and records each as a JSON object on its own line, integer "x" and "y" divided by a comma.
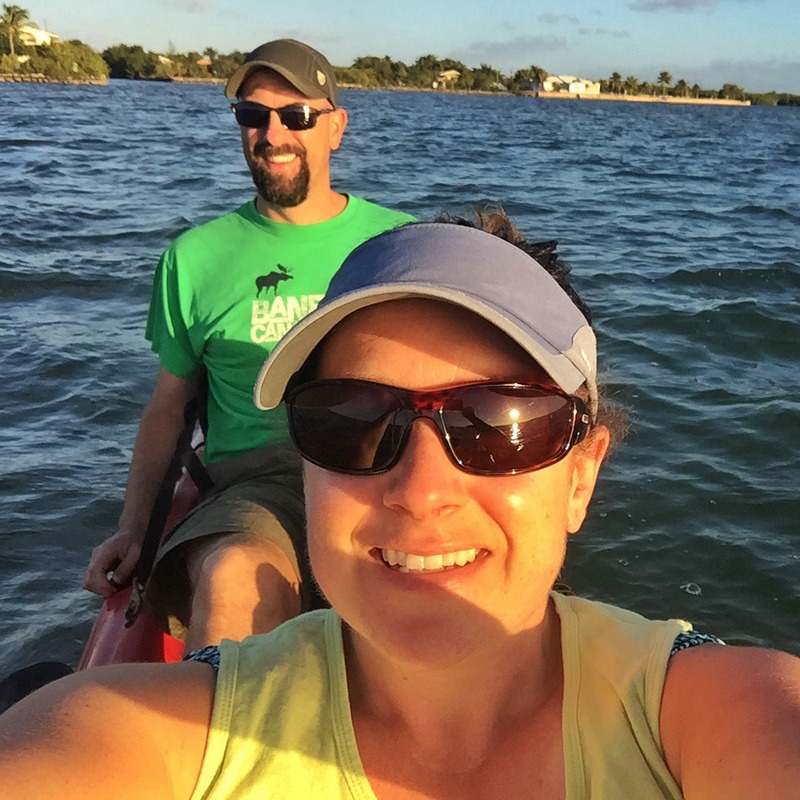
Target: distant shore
{"x": 38, "y": 78}
{"x": 641, "y": 98}
{"x": 616, "y": 98}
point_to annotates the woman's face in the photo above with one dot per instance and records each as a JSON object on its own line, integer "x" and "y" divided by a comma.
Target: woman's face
{"x": 510, "y": 530}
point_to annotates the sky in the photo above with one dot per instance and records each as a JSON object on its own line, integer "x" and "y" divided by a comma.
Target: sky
{"x": 752, "y": 43}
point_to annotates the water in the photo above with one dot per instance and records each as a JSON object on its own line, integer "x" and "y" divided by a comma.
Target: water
{"x": 681, "y": 224}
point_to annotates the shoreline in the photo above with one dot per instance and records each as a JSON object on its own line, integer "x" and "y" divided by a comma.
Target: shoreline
{"x": 8, "y": 77}
{"x": 642, "y": 98}
{"x": 613, "y": 98}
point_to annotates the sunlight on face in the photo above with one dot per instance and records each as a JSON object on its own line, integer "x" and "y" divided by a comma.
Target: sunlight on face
{"x": 512, "y": 528}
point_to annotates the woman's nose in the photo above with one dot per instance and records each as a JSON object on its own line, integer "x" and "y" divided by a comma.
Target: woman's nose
{"x": 425, "y": 481}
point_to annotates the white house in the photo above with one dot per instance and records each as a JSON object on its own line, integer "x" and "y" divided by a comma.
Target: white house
{"x": 33, "y": 36}
{"x": 571, "y": 84}
{"x": 446, "y": 78}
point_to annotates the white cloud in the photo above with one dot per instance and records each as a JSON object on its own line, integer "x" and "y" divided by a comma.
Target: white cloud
{"x": 554, "y": 19}
{"x": 510, "y": 54}
{"x": 677, "y": 5}
{"x": 192, "y": 6}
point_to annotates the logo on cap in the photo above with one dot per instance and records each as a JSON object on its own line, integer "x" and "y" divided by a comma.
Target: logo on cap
{"x": 321, "y": 77}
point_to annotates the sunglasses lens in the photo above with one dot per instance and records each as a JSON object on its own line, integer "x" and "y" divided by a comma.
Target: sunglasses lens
{"x": 491, "y": 429}
{"x": 505, "y": 429}
{"x": 346, "y": 427}
{"x": 299, "y": 118}
{"x": 295, "y": 118}
{"x": 251, "y": 116}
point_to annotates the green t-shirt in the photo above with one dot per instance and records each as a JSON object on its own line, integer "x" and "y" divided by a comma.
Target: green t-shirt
{"x": 225, "y": 292}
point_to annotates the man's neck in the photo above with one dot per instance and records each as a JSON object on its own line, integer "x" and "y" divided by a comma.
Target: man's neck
{"x": 310, "y": 211}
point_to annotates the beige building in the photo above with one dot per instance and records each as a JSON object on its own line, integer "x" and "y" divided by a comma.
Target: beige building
{"x": 32, "y": 35}
{"x": 571, "y": 84}
{"x": 446, "y": 78}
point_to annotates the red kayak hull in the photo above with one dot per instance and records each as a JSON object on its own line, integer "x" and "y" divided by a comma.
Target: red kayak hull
{"x": 110, "y": 642}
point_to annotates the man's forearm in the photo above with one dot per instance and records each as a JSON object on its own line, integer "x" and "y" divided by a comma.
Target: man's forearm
{"x": 155, "y": 444}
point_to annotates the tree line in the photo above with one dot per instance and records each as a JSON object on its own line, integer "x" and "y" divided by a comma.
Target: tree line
{"x": 60, "y": 61}
{"x": 73, "y": 59}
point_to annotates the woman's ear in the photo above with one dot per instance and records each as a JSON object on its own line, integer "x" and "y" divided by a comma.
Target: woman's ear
{"x": 587, "y": 458}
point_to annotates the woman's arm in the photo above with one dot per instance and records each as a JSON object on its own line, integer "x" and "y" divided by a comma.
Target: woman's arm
{"x": 730, "y": 723}
{"x": 127, "y": 731}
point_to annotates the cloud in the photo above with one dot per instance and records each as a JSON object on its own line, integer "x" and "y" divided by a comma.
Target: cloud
{"x": 192, "y": 6}
{"x": 511, "y": 53}
{"x": 554, "y": 19}
{"x": 677, "y": 5}
{"x": 603, "y": 32}
{"x": 753, "y": 76}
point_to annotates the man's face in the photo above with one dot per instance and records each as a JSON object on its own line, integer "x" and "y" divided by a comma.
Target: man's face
{"x": 288, "y": 166}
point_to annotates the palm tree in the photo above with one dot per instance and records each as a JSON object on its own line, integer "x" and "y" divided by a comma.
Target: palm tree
{"x": 615, "y": 83}
{"x": 631, "y": 84}
{"x": 531, "y": 77}
{"x": 682, "y": 88}
{"x": 14, "y": 17}
{"x": 664, "y": 80}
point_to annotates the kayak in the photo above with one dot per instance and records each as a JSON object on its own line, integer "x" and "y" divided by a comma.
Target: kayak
{"x": 125, "y": 630}
{"x": 114, "y": 639}
{"x": 117, "y": 636}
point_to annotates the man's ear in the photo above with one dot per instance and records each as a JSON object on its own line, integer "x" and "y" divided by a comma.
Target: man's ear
{"x": 336, "y": 127}
{"x": 587, "y": 458}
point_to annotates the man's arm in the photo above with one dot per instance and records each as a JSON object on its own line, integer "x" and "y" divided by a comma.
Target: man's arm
{"x": 127, "y": 731}
{"x": 730, "y": 723}
{"x": 162, "y": 422}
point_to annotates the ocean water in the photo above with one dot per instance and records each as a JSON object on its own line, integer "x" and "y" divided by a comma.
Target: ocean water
{"x": 681, "y": 226}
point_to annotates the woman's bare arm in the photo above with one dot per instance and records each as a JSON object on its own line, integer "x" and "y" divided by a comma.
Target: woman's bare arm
{"x": 127, "y": 731}
{"x": 730, "y": 723}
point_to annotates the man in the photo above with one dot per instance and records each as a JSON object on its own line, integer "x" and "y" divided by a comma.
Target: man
{"x": 224, "y": 293}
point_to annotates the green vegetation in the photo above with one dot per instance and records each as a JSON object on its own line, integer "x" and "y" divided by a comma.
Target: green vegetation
{"x": 74, "y": 61}
{"x": 58, "y": 61}
{"x": 13, "y": 18}
{"x": 132, "y": 61}
{"x": 730, "y": 91}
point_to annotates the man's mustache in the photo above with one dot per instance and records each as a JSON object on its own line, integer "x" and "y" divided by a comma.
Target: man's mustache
{"x": 265, "y": 150}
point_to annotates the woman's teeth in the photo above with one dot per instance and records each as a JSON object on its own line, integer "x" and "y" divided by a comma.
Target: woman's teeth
{"x": 411, "y": 562}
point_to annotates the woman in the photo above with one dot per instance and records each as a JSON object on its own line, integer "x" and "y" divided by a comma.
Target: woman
{"x": 444, "y": 398}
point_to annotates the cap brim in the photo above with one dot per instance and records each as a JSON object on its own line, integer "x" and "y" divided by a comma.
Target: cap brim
{"x": 297, "y": 345}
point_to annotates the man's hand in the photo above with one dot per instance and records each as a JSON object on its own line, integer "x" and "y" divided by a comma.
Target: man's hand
{"x": 112, "y": 563}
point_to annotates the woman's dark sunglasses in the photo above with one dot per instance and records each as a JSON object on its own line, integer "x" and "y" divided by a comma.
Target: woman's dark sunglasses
{"x": 360, "y": 427}
{"x": 294, "y": 118}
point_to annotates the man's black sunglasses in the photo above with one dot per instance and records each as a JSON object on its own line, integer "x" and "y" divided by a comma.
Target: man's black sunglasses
{"x": 293, "y": 118}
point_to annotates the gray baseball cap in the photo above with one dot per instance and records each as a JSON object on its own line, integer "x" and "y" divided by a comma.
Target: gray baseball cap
{"x": 457, "y": 264}
{"x": 303, "y": 66}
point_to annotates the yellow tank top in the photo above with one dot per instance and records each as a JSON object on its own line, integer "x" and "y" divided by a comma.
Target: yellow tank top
{"x": 281, "y": 726}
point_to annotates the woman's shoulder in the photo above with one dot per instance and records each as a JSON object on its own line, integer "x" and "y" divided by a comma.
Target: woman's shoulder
{"x": 730, "y": 721}
{"x": 50, "y": 739}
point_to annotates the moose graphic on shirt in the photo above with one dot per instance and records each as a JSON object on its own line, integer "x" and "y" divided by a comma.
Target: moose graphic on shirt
{"x": 271, "y": 280}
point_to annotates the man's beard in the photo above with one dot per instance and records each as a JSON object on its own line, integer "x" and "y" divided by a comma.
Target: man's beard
{"x": 279, "y": 191}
